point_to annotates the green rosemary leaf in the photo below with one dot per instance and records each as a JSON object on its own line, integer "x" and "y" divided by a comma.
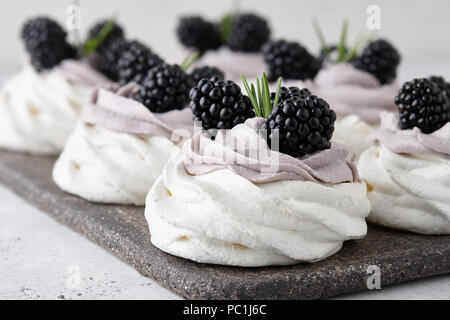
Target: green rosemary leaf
{"x": 225, "y": 28}
{"x": 253, "y": 90}
{"x": 251, "y": 96}
{"x": 277, "y": 94}
{"x": 255, "y": 96}
{"x": 342, "y": 42}
{"x": 359, "y": 43}
{"x": 93, "y": 43}
{"x": 189, "y": 61}
{"x": 260, "y": 99}
{"x": 266, "y": 93}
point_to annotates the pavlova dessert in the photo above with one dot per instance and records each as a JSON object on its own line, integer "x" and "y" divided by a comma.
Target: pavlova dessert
{"x": 40, "y": 106}
{"x": 256, "y": 191}
{"x": 408, "y": 171}
{"x": 126, "y": 134}
{"x": 233, "y": 45}
{"x": 359, "y": 87}
{"x": 360, "y": 90}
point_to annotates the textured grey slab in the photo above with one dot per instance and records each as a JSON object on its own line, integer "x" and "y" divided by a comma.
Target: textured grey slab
{"x": 123, "y": 230}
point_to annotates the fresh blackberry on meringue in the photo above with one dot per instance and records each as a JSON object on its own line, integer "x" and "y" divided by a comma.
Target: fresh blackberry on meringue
{"x": 165, "y": 88}
{"x": 289, "y": 93}
{"x": 422, "y": 104}
{"x": 195, "y": 32}
{"x": 289, "y": 60}
{"x": 248, "y": 33}
{"x": 442, "y": 84}
{"x": 380, "y": 59}
{"x": 45, "y": 41}
{"x": 108, "y": 31}
{"x": 135, "y": 62}
{"x": 219, "y": 104}
{"x": 205, "y": 72}
{"x": 302, "y": 126}
{"x": 107, "y": 61}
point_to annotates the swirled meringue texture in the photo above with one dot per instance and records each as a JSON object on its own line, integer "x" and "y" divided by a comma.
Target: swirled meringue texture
{"x": 118, "y": 149}
{"x": 408, "y": 178}
{"x": 221, "y": 217}
{"x": 358, "y": 99}
{"x": 38, "y": 111}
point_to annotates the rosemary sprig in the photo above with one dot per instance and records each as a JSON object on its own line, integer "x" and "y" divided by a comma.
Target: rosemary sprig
{"x": 93, "y": 43}
{"x": 319, "y": 33}
{"x": 227, "y": 21}
{"x": 342, "y": 43}
{"x": 225, "y": 28}
{"x": 361, "y": 41}
{"x": 344, "y": 54}
{"x": 189, "y": 61}
{"x": 260, "y": 97}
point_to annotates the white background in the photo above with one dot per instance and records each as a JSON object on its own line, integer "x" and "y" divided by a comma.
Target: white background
{"x": 420, "y": 29}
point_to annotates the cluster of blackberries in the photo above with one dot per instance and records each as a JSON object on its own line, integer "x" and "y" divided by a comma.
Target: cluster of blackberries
{"x": 442, "y": 84}
{"x": 379, "y": 58}
{"x": 106, "y": 60}
{"x": 245, "y": 33}
{"x": 219, "y": 104}
{"x": 115, "y": 33}
{"x": 290, "y": 93}
{"x": 422, "y": 104}
{"x": 300, "y": 126}
{"x": 121, "y": 60}
{"x": 205, "y": 72}
{"x": 45, "y": 42}
{"x": 289, "y": 60}
{"x": 135, "y": 62}
{"x": 195, "y": 32}
{"x": 109, "y": 50}
{"x": 165, "y": 88}
{"x": 248, "y": 33}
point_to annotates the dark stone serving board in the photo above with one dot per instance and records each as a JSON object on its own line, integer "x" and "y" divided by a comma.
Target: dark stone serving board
{"x": 122, "y": 230}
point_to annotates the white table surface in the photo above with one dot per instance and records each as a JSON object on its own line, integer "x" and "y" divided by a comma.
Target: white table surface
{"x": 41, "y": 259}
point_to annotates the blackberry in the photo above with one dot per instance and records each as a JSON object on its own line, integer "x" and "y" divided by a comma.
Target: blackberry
{"x": 116, "y": 33}
{"x": 289, "y": 60}
{"x": 248, "y": 33}
{"x": 303, "y": 126}
{"x": 106, "y": 61}
{"x": 379, "y": 58}
{"x": 219, "y": 104}
{"x": 442, "y": 84}
{"x": 41, "y": 29}
{"x": 289, "y": 93}
{"x": 205, "y": 72}
{"x": 422, "y": 104}
{"x": 164, "y": 89}
{"x": 135, "y": 62}
{"x": 45, "y": 41}
{"x": 195, "y": 32}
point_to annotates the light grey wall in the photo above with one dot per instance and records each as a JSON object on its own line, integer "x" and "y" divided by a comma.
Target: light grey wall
{"x": 418, "y": 28}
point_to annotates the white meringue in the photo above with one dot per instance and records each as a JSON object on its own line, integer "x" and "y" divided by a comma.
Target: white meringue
{"x": 407, "y": 191}
{"x": 221, "y": 217}
{"x": 38, "y": 111}
{"x": 104, "y": 166}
